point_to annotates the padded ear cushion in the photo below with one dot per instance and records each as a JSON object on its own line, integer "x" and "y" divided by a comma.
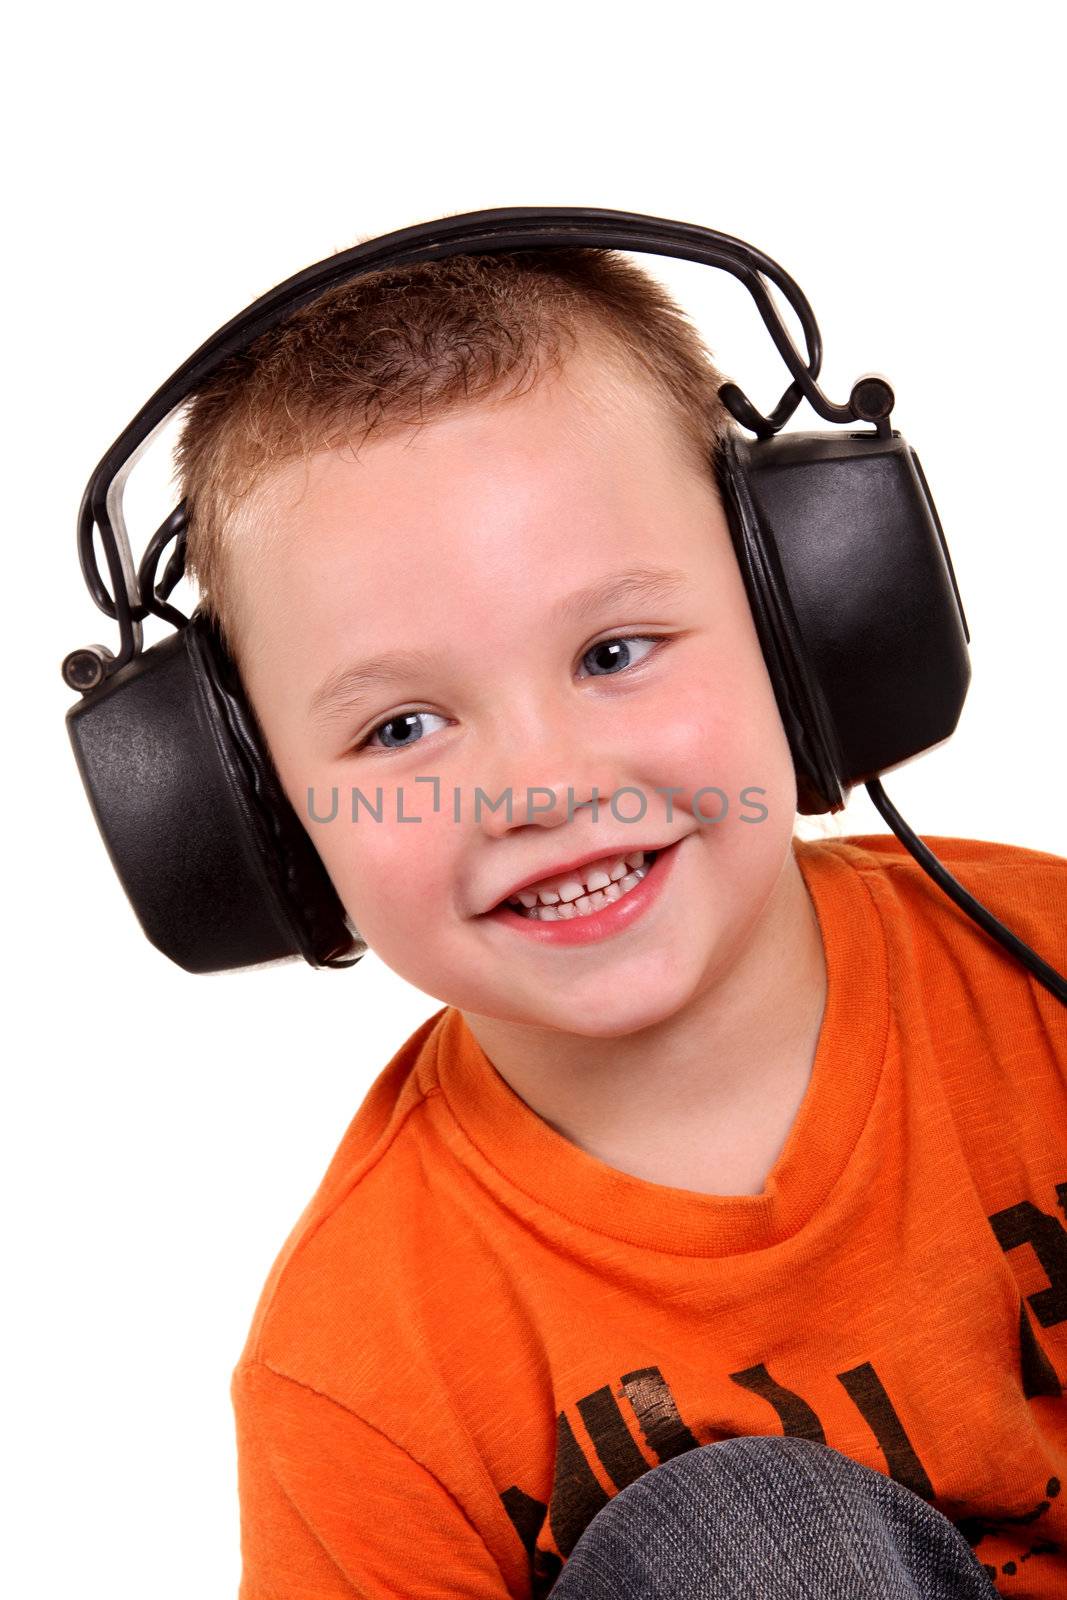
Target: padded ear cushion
{"x": 214, "y": 859}
{"x": 805, "y": 720}
{"x": 854, "y": 600}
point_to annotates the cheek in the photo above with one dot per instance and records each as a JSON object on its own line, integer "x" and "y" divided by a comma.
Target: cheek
{"x": 385, "y": 872}
{"x": 719, "y": 724}
{"x": 388, "y": 872}
{"x": 373, "y": 864}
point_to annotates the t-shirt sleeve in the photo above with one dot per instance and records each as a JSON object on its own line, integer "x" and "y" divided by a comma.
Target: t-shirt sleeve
{"x": 331, "y": 1508}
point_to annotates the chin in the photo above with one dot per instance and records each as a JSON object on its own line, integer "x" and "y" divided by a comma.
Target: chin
{"x": 640, "y": 1008}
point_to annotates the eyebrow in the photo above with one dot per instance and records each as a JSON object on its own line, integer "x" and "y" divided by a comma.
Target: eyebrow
{"x": 345, "y": 685}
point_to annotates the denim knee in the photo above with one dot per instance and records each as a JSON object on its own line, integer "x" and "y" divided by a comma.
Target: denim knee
{"x": 791, "y": 1513}
{"x": 769, "y": 1455}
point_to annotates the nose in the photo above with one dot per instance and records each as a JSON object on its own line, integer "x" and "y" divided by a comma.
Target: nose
{"x": 543, "y": 780}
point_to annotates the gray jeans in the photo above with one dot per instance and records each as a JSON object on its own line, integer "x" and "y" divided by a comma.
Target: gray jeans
{"x": 775, "y": 1518}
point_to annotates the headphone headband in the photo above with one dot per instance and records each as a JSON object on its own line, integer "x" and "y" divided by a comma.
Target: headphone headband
{"x": 477, "y": 232}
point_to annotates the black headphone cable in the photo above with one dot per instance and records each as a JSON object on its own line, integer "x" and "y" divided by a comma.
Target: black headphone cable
{"x": 1052, "y": 980}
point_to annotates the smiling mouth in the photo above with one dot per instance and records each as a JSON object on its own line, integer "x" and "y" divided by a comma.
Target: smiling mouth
{"x": 582, "y": 893}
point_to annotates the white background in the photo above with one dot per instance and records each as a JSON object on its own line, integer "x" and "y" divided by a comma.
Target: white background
{"x": 164, "y": 1131}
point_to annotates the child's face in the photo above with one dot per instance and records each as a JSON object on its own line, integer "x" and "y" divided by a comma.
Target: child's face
{"x": 460, "y": 540}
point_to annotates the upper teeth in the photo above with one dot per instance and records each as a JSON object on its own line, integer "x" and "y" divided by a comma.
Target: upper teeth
{"x": 597, "y": 876}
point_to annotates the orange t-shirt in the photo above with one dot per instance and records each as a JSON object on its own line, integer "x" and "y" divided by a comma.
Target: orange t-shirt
{"x": 477, "y": 1333}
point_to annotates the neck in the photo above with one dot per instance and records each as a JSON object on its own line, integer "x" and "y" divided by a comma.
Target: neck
{"x": 705, "y": 1099}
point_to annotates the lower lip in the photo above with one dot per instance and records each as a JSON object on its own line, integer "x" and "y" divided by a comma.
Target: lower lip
{"x": 610, "y": 919}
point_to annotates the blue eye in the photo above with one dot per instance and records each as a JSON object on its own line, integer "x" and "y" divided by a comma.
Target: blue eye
{"x": 405, "y": 721}
{"x": 615, "y": 655}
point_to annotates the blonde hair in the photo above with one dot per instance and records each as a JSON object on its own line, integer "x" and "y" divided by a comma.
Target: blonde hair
{"x": 407, "y": 345}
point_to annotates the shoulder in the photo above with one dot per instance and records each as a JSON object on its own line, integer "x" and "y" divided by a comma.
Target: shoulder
{"x": 1023, "y": 888}
{"x": 333, "y": 1248}
{"x": 1034, "y": 880}
{"x": 885, "y": 851}
{"x": 367, "y": 1283}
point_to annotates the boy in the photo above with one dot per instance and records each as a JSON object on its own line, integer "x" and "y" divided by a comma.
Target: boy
{"x": 718, "y": 1136}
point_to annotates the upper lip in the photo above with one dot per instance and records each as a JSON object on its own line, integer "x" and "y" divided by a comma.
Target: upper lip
{"x": 575, "y": 865}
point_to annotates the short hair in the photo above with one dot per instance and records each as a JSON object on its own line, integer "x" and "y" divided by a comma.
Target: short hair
{"x": 408, "y": 345}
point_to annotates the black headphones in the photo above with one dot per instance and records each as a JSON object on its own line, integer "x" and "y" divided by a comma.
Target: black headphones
{"x": 839, "y": 543}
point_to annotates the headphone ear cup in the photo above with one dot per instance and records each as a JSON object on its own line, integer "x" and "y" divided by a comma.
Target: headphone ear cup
{"x": 214, "y": 859}
{"x": 854, "y": 600}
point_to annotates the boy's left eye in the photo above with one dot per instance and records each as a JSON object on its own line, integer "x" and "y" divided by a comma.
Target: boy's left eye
{"x": 613, "y": 655}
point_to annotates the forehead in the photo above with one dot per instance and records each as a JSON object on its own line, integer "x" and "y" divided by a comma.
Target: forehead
{"x": 518, "y": 499}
